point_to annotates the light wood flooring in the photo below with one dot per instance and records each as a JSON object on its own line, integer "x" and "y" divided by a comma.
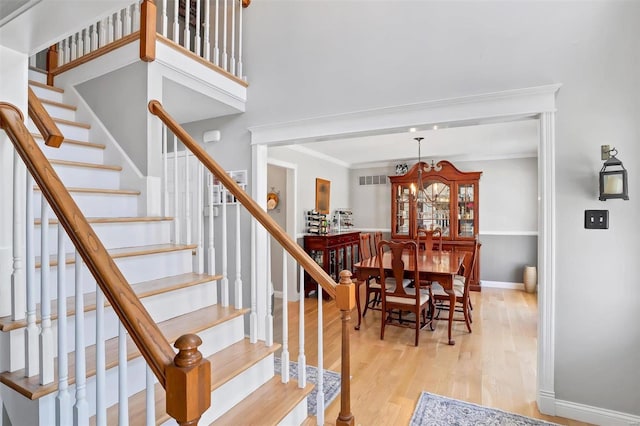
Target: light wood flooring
{"x": 494, "y": 366}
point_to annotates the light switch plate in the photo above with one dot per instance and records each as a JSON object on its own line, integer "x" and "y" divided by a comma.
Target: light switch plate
{"x": 596, "y": 219}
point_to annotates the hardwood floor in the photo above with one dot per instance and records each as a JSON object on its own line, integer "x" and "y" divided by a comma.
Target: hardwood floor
{"x": 494, "y": 366}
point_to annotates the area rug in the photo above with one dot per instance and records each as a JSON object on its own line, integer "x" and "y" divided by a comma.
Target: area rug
{"x": 436, "y": 410}
{"x": 331, "y": 383}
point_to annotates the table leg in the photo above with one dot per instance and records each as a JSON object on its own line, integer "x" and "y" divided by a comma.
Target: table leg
{"x": 358, "y": 282}
{"x": 448, "y": 285}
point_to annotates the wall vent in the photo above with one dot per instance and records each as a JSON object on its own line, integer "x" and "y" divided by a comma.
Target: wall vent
{"x": 373, "y": 180}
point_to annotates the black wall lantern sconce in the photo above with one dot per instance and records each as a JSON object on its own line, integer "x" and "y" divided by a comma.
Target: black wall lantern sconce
{"x": 613, "y": 176}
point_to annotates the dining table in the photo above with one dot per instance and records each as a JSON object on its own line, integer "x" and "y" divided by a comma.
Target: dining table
{"x": 433, "y": 265}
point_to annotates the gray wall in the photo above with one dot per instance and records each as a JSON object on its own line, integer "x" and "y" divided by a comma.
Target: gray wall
{"x": 308, "y": 59}
{"x": 277, "y": 178}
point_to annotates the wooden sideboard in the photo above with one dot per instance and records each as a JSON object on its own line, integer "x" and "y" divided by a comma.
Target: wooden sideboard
{"x": 334, "y": 252}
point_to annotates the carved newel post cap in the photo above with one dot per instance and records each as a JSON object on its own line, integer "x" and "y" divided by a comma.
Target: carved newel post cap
{"x": 188, "y": 354}
{"x": 345, "y": 292}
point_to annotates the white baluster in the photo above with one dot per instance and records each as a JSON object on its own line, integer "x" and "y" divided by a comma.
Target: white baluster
{"x": 110, "y": 32}
{"x": 126, "y": 21}
{"x": 212, "y": 249}
{"x": 224, "y": 64}
{"x": 253, "y": 317}
{"x": 101, "y": 381}
{"x": 123, "y": 397}
{"x": 302, "y": 359}
{"x": 164, "y": 19}
{"x": 320, "y": 394}
{"x": 238, "y": 282}
{"x": 18, "y": 296}
{"x": 187, "y": 25}
{"x": 86, "y": 43}
{"x": 46, "y": 334}
{"x": 207, "y": 30}
{"x": 216, "y": 31}
{"x": 232, "y": 61}
{"x": 67, "y": 50}
{"x": 61, "y": 47}
{"x": 225, "y": 279}
{"x": 199, "y": 213}
{"x": 176, "y": 25}
{"x": 187, "y": 197}
{"x": 80, "y": 45}
{"x": 118, "y": 25}
{"x": 150, "y": 398}
{"x": 94, "y": 37}
{"x": 165, "y": 171}
{"x": 81, "y": 407}
{"x": 74, "y": 52}
{"x": 135, "y": 20}
{"x": 31, "y": 331}
{"x": 196, "y": 37}
{"x": 268, "y": 318}
{"x": 284, "y": 357}
{"x": 63, "y": 398}
{"x": 102, "y": 35}
{"x": 239, "y": 69}
{"x": 176, "y": 193}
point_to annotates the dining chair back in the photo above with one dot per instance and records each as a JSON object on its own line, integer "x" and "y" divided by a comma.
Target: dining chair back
{"x": 377, "y": 237}
{"x": 365, "y": 245}
{"x": 398, "y": 299}
{"x": 429, "y": 239}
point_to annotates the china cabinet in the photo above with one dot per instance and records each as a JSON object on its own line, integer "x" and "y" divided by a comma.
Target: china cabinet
{"x": 334, "y": 252}
{"x": 433, "y": 196}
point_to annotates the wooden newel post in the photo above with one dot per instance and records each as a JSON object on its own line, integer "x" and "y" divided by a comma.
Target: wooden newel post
{"x": 345, "y": 300}
{"x": 148, "y": 31}
{"x": 52, "y": 62}
{"x": 188, "y": 384}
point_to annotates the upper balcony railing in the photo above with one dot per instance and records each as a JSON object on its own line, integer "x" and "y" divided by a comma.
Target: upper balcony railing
{"x": 211, "y": 30}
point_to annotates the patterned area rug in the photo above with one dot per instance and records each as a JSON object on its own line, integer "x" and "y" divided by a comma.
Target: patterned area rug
{"x": 331, "y": 383}
{"x": 436, "y": 410}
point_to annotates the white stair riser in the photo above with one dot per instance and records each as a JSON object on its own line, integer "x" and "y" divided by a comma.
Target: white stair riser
{"x": 56, "y": 111}
{"x": 74, "y": 132}
{"x": 78, "y": 177}
{"x": 49, "y": 94}
{"x": 40, "y": 77}
{"x": 113, "y": 235}
{"x": 73, "y": 152}
{"x": 98, "y": 205}
{"x": 135, "y": 269}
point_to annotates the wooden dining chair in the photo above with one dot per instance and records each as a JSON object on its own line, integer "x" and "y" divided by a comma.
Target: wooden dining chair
{"x": 461, "y": 285}
{"x": 377, "y": 237}
{"x": 401, "y": 299}
{"x": 426, "y": 239}
{"x": 365, "y": 245}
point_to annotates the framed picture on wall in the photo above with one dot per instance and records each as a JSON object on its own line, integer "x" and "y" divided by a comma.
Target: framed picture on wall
{"x": 323, "y": 195}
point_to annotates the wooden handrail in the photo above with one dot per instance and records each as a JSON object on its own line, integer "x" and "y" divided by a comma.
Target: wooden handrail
{"x": 297, "y": 252}
{"x": 141, "y": 327}
{"x": 52, "y": 135}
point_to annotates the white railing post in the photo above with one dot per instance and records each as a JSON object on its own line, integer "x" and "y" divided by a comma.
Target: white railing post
{"x": 110, "y": 32}
{"x": 150, "y": 398}
{"x": 239, "y": 68}
{"x": 127, "y": 22}
{"x": 123, "y": 396}
{"x": 81, "y": 407}
{"x": 94, "y": 37}
{"x": 176, "y": 193}
{"x": 163, "y": 18}
{"x": 80, "y": 45}
{"x": 18, "y": 296}
{"x": 73, "y": 47}
{"x": 224, "y": 292}
{"x": 187, "y": 197}
{"x": 302, "y": 359}
{"x": 31, "y": 331}
{"x": 207, "y": 31}
{"x": 118, "y": 25}
{"x": 232, "y": 61}
{"x": 216, "y": 31}
{"x": 176, "y": 25}
{"x": 63, "y": 398}
{"x": 86, "y": 43}
{"x": 212, "y": 250}
{"x": 102, "y": 35}
{"x": 165, "y": 173}
{"x": 101, "y": 396}
{"x": 135, "y": 20}
{"x": 253, "y": 317}
{"x": 320, "y": 393}
{"x": 196, "y": 37}
{"x": 238, "y": 282}
{"x": 46, "y": 334}
{"x": 200, "y": 220}
{"x": 268, "y": 317}
{"x": 187, "y": 24}
{"x": 224, "y": 64}
{"x": 284, "y": 357}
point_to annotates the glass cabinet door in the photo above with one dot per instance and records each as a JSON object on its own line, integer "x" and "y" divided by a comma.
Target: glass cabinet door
{"x": 467, "y": 210}
{"x": 401, "y": 208}
{"x": 318, "y": 256}
{"x": 433, "y": 207}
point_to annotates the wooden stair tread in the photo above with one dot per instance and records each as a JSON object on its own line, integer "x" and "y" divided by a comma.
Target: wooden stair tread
{"x": 116, "y": 219}
{"x": 45, "y": 86}
{"x": 142, "y": 289}
{"x": 98, "y": 191}
{"x": 268, "y": 405}
{"x": 192, "y": 322}
{"x": 86, "y": 165}
{"x": 226, "y": 364}
{"x": 59, "y": 104}
{"x": 120, "y": 252}
{"x": 71, "y": 123}
{"x": 76, "y": 142}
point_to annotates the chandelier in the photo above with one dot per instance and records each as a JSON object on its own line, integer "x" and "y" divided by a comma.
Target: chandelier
{"x": 418, "y": 189}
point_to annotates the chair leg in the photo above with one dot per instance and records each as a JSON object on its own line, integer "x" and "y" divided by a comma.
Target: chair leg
{"x": 417, "y": 327}
{"x": 384, "y": 321}
{"x": 467, "y": 315}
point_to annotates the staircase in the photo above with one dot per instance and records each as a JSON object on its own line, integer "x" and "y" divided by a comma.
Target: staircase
{"x": 244, "y": 389}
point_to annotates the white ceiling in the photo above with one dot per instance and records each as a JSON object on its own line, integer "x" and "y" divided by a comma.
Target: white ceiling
{"x": 511, "y": 139}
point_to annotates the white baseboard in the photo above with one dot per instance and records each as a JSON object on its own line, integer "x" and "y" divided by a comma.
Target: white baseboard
{"x": 502, "y": 284}
{"x": 594, "y": 415}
